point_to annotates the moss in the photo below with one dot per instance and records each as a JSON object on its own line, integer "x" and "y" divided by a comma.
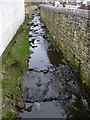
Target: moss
{"x": 15, "y": 61}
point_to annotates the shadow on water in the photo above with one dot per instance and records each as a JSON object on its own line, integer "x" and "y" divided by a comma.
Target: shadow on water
{"x": 50, "y": 89}
{"x": 54, "y": 56}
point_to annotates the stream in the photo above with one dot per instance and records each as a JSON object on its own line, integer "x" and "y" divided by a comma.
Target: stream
{"x": 50, "y": 88}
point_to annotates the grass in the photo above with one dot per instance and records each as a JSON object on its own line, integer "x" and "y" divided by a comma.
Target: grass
{"x": 12, "y": 70}
{"x": 64, "y": 61}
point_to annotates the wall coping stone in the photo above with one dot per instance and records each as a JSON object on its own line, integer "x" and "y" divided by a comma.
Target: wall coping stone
{"x": 74, "y": 12}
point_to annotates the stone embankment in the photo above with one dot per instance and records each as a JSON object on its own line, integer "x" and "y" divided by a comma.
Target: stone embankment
{"x": 70, "y": 30}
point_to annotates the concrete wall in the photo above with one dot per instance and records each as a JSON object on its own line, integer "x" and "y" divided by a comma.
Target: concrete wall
{"x": 70, "y": 30}
{"x": 11, "y": 17}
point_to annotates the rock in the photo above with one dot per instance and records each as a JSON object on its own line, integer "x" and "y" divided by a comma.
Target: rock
{"x": 38, "y": 40}
{"x": 45, "y": 71}
{"x": 30, "y": 34}
{"x": 30, "y": 69}
{"x": 57, "y": 72}
{"x": 45, "y": 92}
{"x": 26, "y": 92}
{"x": 34, "y": 46}
{"x": 33, "y": 41}
{"x": 39, "y": 83}
{"x": 19, "y": 105}
{"x": 20, "y": 85}
{"x": 29, "y": 108}
{"x": 84, "y": 102}
{"x": 48, "y": 82}
{"x": 67, "y": 97}
{"x": 9, "y": 96}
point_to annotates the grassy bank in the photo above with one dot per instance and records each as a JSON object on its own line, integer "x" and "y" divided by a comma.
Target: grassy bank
{"x": 13, "y": 68}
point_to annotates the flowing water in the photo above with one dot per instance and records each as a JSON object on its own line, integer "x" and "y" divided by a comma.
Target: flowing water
{"x": 50, "y": 88}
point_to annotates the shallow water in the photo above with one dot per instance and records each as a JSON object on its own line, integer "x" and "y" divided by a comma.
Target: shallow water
{"x": 50, "y": 88}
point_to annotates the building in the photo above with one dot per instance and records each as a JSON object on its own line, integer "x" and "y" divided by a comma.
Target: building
{"x": 76, "y": 1}
{"x": 11, "y": 17}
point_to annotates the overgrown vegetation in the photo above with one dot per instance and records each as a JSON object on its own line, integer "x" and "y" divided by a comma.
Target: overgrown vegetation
{"x": 13, "y": 69}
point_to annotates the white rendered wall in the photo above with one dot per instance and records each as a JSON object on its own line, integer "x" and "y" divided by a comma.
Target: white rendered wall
{"x": 11, "y": 17}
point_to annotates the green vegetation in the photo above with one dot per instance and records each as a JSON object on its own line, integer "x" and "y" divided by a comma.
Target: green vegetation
{"x": 64, "y": 61}
{"x": 63, "y": 3}
{"x": 12, "y": 70}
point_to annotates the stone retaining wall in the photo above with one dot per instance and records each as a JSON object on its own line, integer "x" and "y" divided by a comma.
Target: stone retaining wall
{"x": 70, "y": 30}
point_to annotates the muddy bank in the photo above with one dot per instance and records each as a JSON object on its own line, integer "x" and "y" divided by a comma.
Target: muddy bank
{"x": 50, "y": 88}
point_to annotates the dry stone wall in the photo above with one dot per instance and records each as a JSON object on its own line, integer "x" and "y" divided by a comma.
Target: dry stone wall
{"x": 70, "y": 30}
